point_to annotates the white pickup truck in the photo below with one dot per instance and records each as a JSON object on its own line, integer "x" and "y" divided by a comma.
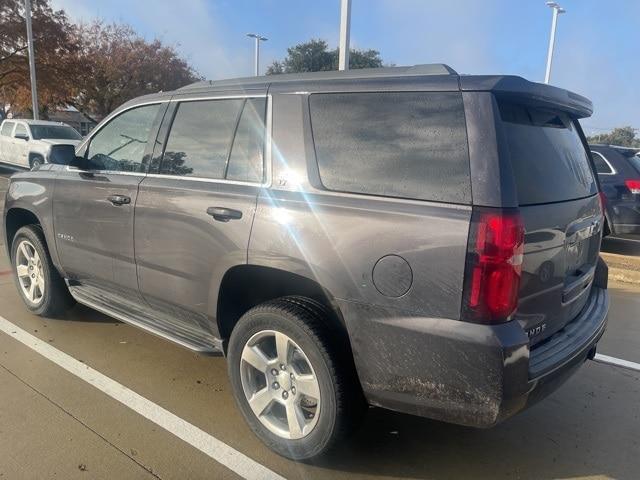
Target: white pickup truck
{"x": 27, "y": 143}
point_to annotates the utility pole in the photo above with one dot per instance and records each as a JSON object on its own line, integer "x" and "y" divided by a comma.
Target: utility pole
{"x": 32, "y": 59}
{"x": 345, "y": 32}
{"x": 557, "y": 9}
{"x": 258, "y": 39}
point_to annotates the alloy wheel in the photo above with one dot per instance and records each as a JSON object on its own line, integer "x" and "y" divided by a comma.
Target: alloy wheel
{"x": 30, "y": 272}
{"x": 280, "y": 384}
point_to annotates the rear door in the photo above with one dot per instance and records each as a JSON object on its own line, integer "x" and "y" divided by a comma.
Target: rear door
{"x": 557, "y": 195}
{"x": 194, "y": 212}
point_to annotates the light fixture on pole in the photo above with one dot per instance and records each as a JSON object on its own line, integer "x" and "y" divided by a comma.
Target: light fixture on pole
{"x": 557, "y": 9}
{"x": 32, "y": 59}
{"x": 345, "y": 33}
{"x": 258, "y": 39}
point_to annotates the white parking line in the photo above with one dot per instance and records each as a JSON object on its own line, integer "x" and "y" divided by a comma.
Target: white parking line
{"x": 207, "y": 444}
{"x": 618, "y": 362}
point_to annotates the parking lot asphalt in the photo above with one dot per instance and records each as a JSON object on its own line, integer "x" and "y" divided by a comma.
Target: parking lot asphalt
{"x": 53, "y": 424}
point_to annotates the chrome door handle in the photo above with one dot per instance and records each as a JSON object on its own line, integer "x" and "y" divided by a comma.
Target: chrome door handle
{"x": 119, "y": 199}
{"x": 222, "y": 214}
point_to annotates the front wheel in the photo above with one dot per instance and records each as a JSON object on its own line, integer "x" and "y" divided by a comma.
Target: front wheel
{"x": 40, "y": 285}
{"x": 293, "y": 380}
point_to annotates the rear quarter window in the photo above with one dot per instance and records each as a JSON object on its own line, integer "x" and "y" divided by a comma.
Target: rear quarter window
{"x": 394, "y": 144}
{"x": 549, "y": 161}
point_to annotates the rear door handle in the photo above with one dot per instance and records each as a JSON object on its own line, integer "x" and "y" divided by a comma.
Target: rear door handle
{"x": 222, "y": 214}
{"x": 119, "y": 199}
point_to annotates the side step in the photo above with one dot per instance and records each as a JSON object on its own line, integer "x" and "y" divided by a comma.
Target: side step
{"x": 160, "y": 324}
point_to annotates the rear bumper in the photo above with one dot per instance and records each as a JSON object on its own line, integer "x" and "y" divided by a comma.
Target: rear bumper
{"x": 625, "y": 217}
{"x": 458, "y": 372}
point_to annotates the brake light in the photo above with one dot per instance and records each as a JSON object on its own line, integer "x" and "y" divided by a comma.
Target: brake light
{"x": 495, "y": 251}
{"x": 633, "y": 186}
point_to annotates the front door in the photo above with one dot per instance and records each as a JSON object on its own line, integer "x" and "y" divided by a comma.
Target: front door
{"x": 21, "y": 139}
{"x": 194, "y": 216}
{"x": 93, "y": 206}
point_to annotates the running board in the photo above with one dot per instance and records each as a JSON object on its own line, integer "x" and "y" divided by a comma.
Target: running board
{"x": 160, "y": 324}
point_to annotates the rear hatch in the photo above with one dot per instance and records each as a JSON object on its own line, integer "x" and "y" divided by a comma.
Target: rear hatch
{"x": 561, "y": 211}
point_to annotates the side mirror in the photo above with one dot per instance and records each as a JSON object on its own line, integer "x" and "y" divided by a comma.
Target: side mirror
{"x": 22, "y": 136}
{"x": 65, "y": 155}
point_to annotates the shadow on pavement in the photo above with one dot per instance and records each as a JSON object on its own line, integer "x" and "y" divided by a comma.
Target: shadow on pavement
{"x": 571, "y": 434}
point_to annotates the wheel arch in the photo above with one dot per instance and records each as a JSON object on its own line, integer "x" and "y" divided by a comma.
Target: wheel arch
{"x": 245, "y": 286}
{"x": 15, "y": 219}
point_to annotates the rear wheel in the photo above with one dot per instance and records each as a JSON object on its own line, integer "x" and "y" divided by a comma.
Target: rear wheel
{"x": 42, "y": 288}
{"x": 297, "y": 389}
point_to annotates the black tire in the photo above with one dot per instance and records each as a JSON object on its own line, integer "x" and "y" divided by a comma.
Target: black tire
{"x": 56, "y": 299}
{"x": 342, "y": 405}
{"x": 35, "y": 161}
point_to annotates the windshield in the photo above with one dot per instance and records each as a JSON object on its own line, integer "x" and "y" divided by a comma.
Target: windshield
{"x": 549, "y": 160}
{"x": 635, "y": 161}
{"x": 54, "y": 131}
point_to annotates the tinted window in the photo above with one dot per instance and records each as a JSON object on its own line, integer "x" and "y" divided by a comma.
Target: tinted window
{"x": 635, "y": 161}
{"x": 600, "y": 163}
{"x": 20, "y": 130}
{"x": 200, "y": 138}
{"x": 246, "y": 160}
{"x": 403, "y": 144}
{"x": 120, "y": 144}
{"x": 549, "y": 160}
{"x": 54, "y": 131}
{"x": 6, "y": 129}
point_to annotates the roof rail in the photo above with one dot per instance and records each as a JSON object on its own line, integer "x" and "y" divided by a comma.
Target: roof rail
{"x": 414, "y": 70}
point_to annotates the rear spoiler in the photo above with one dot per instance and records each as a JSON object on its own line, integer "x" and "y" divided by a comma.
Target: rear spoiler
{"x": 524, "y": 91}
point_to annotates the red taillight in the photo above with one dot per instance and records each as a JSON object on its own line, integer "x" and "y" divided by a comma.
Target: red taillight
{"x": 633, "y": 186}
{"x": 494, "y": 264}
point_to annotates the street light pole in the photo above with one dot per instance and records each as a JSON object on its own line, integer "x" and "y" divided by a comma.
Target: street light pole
{"x": 32, "y": 59}
{"x": 557, "y": 9}
{"x": 345, "y": 32}
{"x": 258, "y": 39}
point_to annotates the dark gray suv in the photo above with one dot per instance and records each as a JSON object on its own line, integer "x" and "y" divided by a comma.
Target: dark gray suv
{"x": 403, "y": 237}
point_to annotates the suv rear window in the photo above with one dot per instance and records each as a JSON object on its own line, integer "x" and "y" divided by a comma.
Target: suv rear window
{"x": 635, "y": 161}
{"x": 549, "y": 160}
{"x": 394, "y": 144}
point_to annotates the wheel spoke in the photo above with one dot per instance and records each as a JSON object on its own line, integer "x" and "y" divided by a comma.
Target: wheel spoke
{"x": 25, "y": 251}
{"x": 308, "y": 386}
{"x": 22, "y": 271}
{"x": 261, "y": 401}
{"x": 295, "y": 419}
{"x": 40, "y": 283}
{"x": 254, "y": 357}
{"x": 282, "y": 348}
{"x": 32, "y": 291}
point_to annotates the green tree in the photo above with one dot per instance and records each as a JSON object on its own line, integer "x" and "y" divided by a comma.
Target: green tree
{"x": 119, "y": 65}
{"x": 56, "y": 57}
{"x": 315, "y": 56}
{"x": 622, "y": 136}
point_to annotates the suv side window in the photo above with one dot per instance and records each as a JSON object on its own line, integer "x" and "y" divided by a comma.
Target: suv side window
{"x": 200, "y": 138}
{"x": 246, "y": 160}
{"x": 119, "y": 146}
{"x": 601, "y": 164}
{"x": 6, "y": 129}
{"x": 394, "y": 144}
{"x": 20, "y": 130}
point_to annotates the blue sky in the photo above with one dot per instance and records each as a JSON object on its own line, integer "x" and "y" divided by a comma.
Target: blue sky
{"x": 597, "y": 50}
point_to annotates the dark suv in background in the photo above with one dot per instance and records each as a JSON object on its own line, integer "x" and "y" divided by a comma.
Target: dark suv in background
{"x": 619, "y": 173}
{"x": 407, "y": 237}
